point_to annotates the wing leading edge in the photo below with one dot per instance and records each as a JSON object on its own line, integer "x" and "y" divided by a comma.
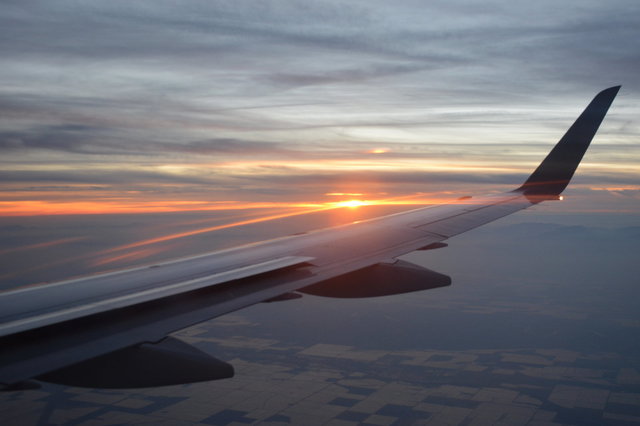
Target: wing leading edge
{"x": 74, "y": 332}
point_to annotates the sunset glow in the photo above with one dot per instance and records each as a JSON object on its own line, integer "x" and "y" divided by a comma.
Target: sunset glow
{"x": 50, "y": 207}
{"x": 616, "y": 188}
{"x": 111, "y": 256}
{"x": 112, "y": 202}
{"x": 43, "y": 207}
{"x": 353, "y": 203}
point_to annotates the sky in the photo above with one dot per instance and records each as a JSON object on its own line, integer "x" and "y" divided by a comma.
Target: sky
{"x": 131, "y": 107}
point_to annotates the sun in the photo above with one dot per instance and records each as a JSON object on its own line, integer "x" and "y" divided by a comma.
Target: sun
{"x": 351, "y": 203}
{"x": 379, "y": 151}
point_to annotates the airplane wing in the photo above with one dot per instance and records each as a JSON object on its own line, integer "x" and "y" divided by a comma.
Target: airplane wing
{"x": 110, "y": 330}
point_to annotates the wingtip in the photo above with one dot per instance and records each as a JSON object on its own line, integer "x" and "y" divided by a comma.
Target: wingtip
{"x": 613, "y": 90}
{"x": 606, "y": 96}
{"x": 554, "y": 173}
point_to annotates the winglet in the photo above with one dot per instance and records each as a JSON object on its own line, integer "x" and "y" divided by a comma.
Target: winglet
{"x": 553, "y": 175}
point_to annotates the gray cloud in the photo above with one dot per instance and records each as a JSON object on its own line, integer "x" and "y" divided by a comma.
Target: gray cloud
{"x": 88, "y": 140}
{"x": 156, "y": 82}
{"x": 124, "y": 177}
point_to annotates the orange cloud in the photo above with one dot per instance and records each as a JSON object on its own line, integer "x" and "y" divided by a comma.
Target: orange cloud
{"x": 107, "y": 206}
{"x": 616, "y": 188}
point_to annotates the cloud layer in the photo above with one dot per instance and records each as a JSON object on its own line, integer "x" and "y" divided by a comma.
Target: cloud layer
{"x": 295, "y": 94}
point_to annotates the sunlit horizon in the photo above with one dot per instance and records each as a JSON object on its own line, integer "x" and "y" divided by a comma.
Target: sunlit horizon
{"x": 53, "y": 207}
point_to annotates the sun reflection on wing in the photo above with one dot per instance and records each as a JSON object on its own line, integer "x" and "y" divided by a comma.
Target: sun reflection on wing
{"x": 158, "y": 240}
{"x": 45, "y": 244}
{"x": 285, "y": 214}
{"x": 245, "y": 213}
{"x": 133, "y": 255}
{"x": 169, "y": 237}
